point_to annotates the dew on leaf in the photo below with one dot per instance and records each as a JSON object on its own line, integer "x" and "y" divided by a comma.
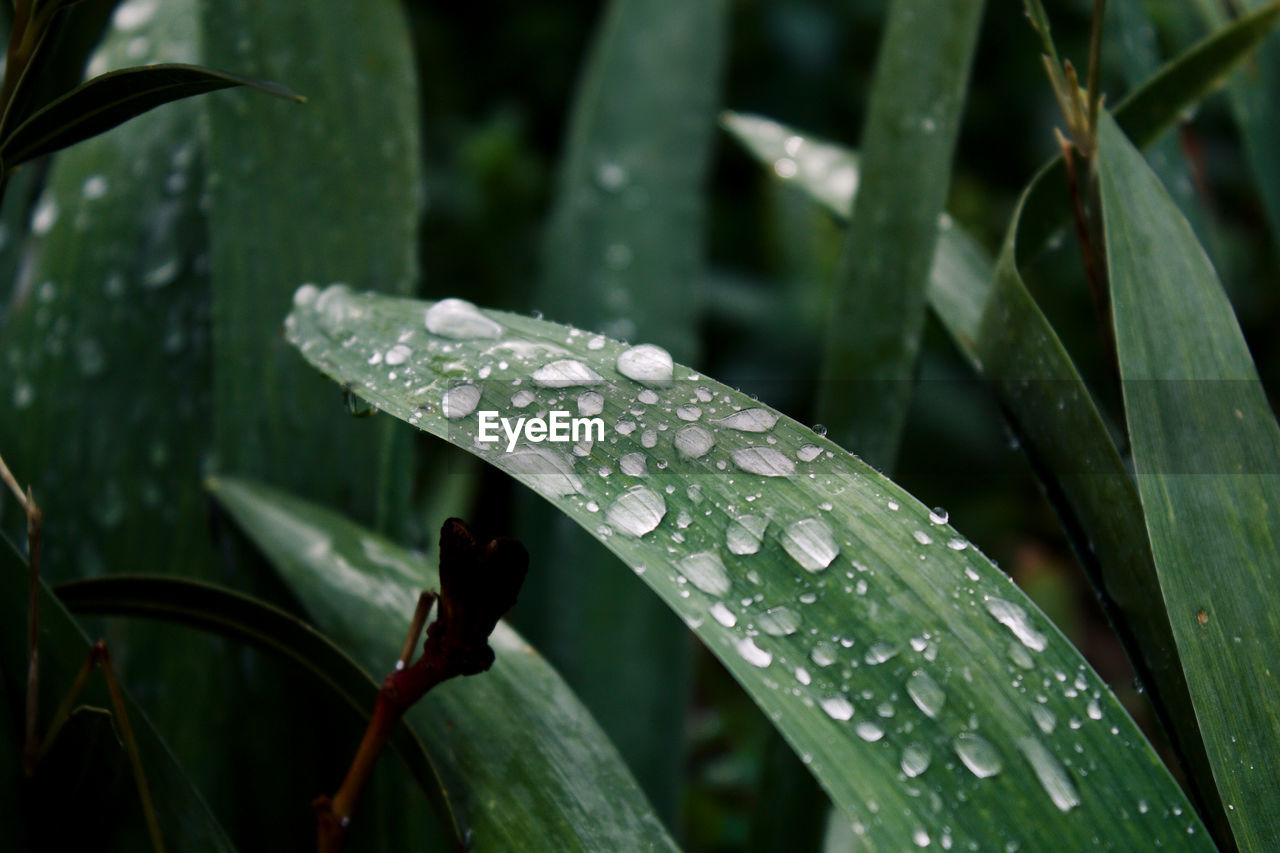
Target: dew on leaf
{"x": 1014, "y": 617}
{"x": 706, "y": 571}
{"x": 750, "y": 420}
{"x": 1052, "y": 775}
{"x": 459, "y": 401}
{"x": 637, "y": 511}
{"x": 926, "y": 693}
{"x": 837, "y": 707}
{"x": 779, "y": 621}
{"x": 693, "y": 441}
{"x": 460, "y": 320}
{"x": 811, "y": 543}
{"x": 743, "y": 534}
{"x": 915, "y": 759}
{"x": 753, "y": 654}
{"x": 646, "y": 363}
{"x": 978, "y": 754}
{"x": 565, "y": 373}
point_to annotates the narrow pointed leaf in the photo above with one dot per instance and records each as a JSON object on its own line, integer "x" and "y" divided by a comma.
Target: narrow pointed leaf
{"x": 1206, "y": 448}
{"x": 892, "y": 655}
{"x": 110, "y": 99}
{"x": 185, "y": 820}
{"x": 878, "y": 306}
{"x": 522, "y": 763}
{"x": 246, "y": 619}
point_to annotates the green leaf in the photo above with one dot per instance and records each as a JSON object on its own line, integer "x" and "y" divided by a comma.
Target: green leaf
{"x": 869, "y": 631}
{"x": 184, "y": 818}
{"x": 1205, "y": 444}
{"x": 623, "y": 253}
{"x": 246, "y": 619}
{"x": 878, "y": 307}
{"x": 110, "y": 99}
{"x": 522, "y": 762}
{"x": 326, "y": 191}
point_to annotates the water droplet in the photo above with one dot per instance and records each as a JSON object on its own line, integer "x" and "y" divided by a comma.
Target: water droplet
{"x": 646, "y": 363}
{"x": 779, "y": 621}
{"x": 978, "y": 754}
{"x": 611, "y": 176}
{"x": 879, "y": 652}
{"x": 1052, "y": 775}
{"x": 94, "y": 187}
{"x": 134, "y": 14}
{"x": 893, "y": 505}
{"x": 522, "y": 398}
{"x": 706, "y": 571}
{"x": 938, "y": 515}
{"x": 926, "y": 693}
{"x": 869, "y": 731}
{"x": 723, "y": 615}
{"x": 551, "y": 472}
{"x": 633, "y": 465}
{"x": 819, "y": 430}
{"x": 693, "y": 441}
{"x": 688, "y": 413}
{"x": 398, "y": 354}
{"x": 1044, "y": 718}
{"x": 1015, "y": 619}
{"x": 304, "y": 296}
{"x": 459, "y": 401}
{"x": 764, "y": 461}
{"x": 590, "y": 403}
{"x": 637, "y": 511}
{"x": 915, "y": 759}
{"x": 802, "y": 676}
{"x": 837, "y": 707}
{"x": 785, "y": 167}
{"x": 743, "y": 535}
{"x": 162, "y": 274}
{"x": 23, "y": 394}
{"x": 957, "y": 544}
{"x": 750, "y": 420}
{"x": 460, "y": 320}
{"x": 808, "y": 453}
{"x": 920, "y": 837}
{"x": 823, "y": 654}
{"x": 565, "y": 373}
{"x": 44, "y": 217}
{"x": 922, "y": 537}
{"x": 753, "y": 654}
{"x": 810, "y": 543}
{"x": 1094, "y": 710}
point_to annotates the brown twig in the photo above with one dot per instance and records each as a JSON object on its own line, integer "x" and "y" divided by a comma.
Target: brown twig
{"x": 477, "y": 586}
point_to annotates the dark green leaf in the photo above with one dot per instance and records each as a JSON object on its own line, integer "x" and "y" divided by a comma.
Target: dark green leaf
{"x": 1206, "y": 448}
{"x": 864, "y": 626}
{"x": 878, "y": 307}
{"x": 246, "y": 619}
{"x": 523, "y": 764}
{"x": 110, "y": 99}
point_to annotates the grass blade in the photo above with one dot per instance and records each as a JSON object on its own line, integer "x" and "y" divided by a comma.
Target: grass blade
{"x": 1205, "y": 445}
{"x": 522, "y": 763}
{"x": 246, "y": 619}
{"x": 624, "y": 254}
{"x": 869, "y": 631}
{"x": 877, "y": 311}
{"x": 111, "y": 99}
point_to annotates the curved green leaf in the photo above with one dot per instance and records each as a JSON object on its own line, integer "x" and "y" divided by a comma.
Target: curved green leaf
{"x": 1205, "y": 448}
{"x": 522, "y": 763}
{"x": 926, "y": 692}
{"x": 246, "y": 619}
{"x": 184, "y": 818}
{"x": 878, "y": 305}
{"x": 110, "y": 99}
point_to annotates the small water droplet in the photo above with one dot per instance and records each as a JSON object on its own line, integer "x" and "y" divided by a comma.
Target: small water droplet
{"x": 565, "y": 373}
{"x": 633, "y": 465}
{"x": 819, "y": 429}
{"x": 802, "y": 676}
{"x": 869, "y": 731}
{"x": 779, "y": 621}
{"x": 1015, "y": 619}
{"x": 1044, "y": 718}
{"x": 879, "y": 652}
{"x": 922, "y": 537}
{"x": 926, "y": 693}
{"x": 1094, "y": 710}
{"x": 938, "y": 515}
{"x": 44, "y": 217}
{"x": 743, "y": 535}
{"x": 459, "y": 401}
{"x": 1052, "y": 775}
{"x": 723, "y": 615}
{"x": 611, "y": 176}
{"x": 978, "y": 754}
{"x": 957, "y": 545}
{"x": 398, "y": 354}
{"x": 753, "y": 654}
{"x": 837, "y": 707}
{"x": 693, "y": 441}
{"x": 823, "y": 654}
{"x": 808, "y": 453}
{"x": 915, "y": 759}
{"x": 688, "y": 413}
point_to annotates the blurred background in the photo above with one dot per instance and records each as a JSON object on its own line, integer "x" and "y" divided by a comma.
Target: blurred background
{"x": 496, "y": 86}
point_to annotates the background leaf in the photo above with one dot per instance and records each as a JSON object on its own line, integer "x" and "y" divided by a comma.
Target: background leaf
{"x": 852, "y": 615}
{"x": 1205, "y": 445}
{"x": 522, "y": 762}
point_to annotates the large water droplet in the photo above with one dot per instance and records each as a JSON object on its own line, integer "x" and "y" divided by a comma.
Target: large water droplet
{"x": 779, "y": 621}
{"x": 743, "y": 535}
{"x": 1015, "y": 619}
{"x": 693, "y": 441}
{"x": 590, "y": 403}
{"x": 646, "y": 363}
{"x": 551, "y": 472}
{"x": 915, "y": 759}
{"x": 633, "y": 464}
{"x": 706, "y": 571}
{"x": 460, "y": 320}
{"x": 1052, "y": 775}
{"x": 565, "y": 373}
{"x": 978, "y": 754}
{"x": 637, "y": 511}
{"x": 926, "y": 693}
{"x": 765, "y": 461}
{"x": 459, "y": 401}
{"x": 750, "y": 420}
{"x": 811, "y": 543}
{"x": 808, "y": 453}
{"x": 753, "y": 654}
{"x": 837, "y": 707}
